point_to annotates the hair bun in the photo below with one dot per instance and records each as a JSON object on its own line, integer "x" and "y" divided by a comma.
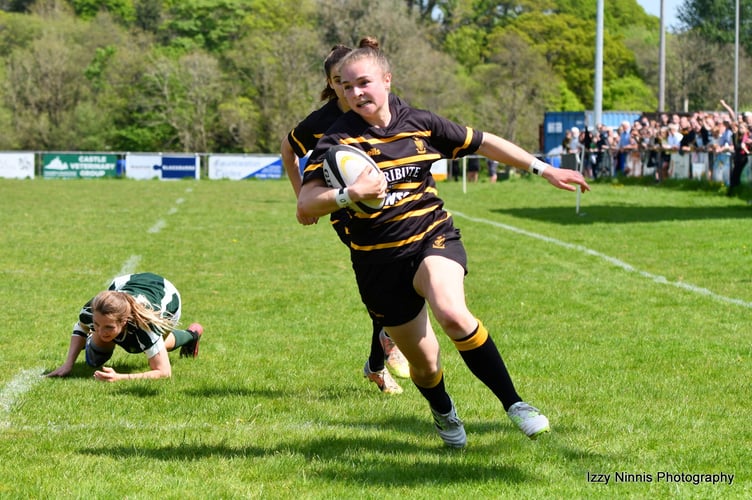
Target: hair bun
{"x": 368, "y": 42}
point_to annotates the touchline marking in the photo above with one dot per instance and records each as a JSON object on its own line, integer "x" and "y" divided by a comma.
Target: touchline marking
{"x": 157, "y": 227}
{"x": 161, "y": 223}
{"x": 15, "y": 389}
{"x": 618, "y": 263}
{"x": 51, "y": 426}
{"x": 130, "y": 266}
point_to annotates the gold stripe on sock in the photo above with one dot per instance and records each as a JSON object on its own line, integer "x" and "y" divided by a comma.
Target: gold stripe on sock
{"x": 474, "y": 341}
{"x": 430, "y": 383}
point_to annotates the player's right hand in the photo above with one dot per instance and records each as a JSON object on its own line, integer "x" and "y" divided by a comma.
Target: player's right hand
{"x": 59, "y": 372}
{"x": 305, "y": 220}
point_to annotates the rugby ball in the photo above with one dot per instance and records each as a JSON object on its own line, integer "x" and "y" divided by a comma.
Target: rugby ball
{"x": 342, "y": 166}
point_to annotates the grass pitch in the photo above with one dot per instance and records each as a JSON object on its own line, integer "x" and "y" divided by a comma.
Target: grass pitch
{"x": 627, "y": 324}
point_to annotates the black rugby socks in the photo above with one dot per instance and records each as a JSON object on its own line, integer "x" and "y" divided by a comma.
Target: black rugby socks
{"x": 484, "y": 360}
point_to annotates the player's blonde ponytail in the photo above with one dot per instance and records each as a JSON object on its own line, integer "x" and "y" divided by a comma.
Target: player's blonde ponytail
{"x": 137, "y": 310}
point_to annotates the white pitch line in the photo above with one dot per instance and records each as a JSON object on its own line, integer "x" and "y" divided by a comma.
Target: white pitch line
{"x": 14, "y": 390}
{"x": 161, "y": 223}
{"x": 157, "y": 227}
{"x": 129, "y": 266}
{"x": 612, "y": 260}
{"x": 50, "y": 426}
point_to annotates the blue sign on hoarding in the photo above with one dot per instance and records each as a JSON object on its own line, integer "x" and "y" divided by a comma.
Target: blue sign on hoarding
{"x": 179, "y": 167}
{"x": 245, "y": 167}
{"x": 271, "y": 171}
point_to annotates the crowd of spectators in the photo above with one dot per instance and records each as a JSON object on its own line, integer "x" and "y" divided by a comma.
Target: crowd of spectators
{"x": 708, "y": 145}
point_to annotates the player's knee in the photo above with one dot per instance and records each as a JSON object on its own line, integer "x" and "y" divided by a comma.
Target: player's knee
{"x": 425, "y": 376}
{"x": 96, "y": 356}
{"x": 453, "y": 322}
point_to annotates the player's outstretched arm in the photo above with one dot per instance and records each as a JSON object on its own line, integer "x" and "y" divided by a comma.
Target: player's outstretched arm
{"x": 159, "y": 364}
{"x": 508, "y": 153}
{"x": 77, "y": 344}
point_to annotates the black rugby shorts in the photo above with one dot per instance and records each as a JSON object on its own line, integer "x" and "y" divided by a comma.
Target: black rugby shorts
{"x": 387, "y": 288}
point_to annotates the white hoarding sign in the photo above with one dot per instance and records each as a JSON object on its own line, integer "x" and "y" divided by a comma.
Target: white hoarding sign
{"x": 17, "y": 165}
{"x": 143, "y": 166}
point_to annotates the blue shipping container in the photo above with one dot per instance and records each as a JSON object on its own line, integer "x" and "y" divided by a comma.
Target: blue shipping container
{"x": 556, "y": 123}
{"x": 613, "y": 118}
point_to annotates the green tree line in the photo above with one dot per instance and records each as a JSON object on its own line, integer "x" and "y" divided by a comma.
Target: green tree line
{"x": 236, "y": 75}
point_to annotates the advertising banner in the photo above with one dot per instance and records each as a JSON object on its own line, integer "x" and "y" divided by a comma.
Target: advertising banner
{"x": 143, "y": 166}
{"x": 245, "y": 167}
{"x": 180, "y": 167}
{"x": 78, "y": 165}
{"x": 679, "y": 166}
{"x": 155, "y": 166}
{"x": 17, "y": 165}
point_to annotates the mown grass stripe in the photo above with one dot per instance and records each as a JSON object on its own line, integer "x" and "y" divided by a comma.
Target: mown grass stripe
{"x": 612, "y": 260}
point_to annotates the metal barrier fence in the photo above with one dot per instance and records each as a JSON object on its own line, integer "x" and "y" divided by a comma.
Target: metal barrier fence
{"x": 700, "y": 165}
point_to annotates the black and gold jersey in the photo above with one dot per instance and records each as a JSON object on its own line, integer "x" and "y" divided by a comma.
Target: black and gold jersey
{"x": 305, "y": 135}
{"x": 404, "y": 151}
{"x": 303, "y": 138}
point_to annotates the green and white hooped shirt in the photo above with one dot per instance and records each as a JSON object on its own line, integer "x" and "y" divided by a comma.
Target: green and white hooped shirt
{"x": 148, "y": 288}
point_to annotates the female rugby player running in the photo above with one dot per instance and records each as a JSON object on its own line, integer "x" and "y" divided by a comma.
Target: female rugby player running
{"x": 410, "y": 252}
{"x": 297, "y": 144}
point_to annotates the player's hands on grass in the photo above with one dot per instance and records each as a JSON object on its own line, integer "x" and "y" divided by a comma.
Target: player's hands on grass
{"x": 107, "y": 374}
{"x": 564, "y": 178}
{"x": 60, "y": 372}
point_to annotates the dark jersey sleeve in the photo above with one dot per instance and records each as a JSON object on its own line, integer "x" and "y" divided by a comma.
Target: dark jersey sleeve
{"x": 449, "y": 138}
{"x": 304, "y": 136}
{"x": 348, "y": 125}
{"x": 85, "y": 318}
{"x": 302, "y": 139}
{"x": 313, "y": 169}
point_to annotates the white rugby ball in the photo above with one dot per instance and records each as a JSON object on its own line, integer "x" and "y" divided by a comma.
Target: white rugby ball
{"x": 342, "y": 166}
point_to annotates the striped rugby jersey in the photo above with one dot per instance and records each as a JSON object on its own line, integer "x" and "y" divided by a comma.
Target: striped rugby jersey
{"x": 404, "y": 151}
{"x": 304, "y": 136}
{"x": 147, "y": 287}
